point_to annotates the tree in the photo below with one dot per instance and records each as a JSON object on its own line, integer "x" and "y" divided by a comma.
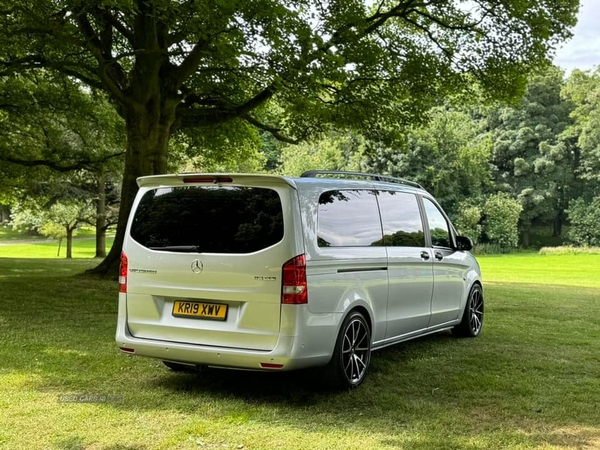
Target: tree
{"x": 501, "y": 219}
{"x": 448, "y": 155}
{"x": 69, "y": 216}
{"x": 532, "y": 158}
{"x": 332, "y": 151}
{"x": 468, "y": 218}
{"x": 56, "y": 231}
{"x": 583, "y": 90}
{"x": 585, "y": 217}
{"x": 58, "y": 221}
{"x": 50, "y": 122}
{"x": 171, "y": 66}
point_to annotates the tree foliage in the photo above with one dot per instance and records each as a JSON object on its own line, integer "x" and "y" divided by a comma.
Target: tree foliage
{"x": 448, "y": 156}
{"x": 50, "y": 120}
{"x": 501, "y": 219}
{"x": 582, "y": 89}
{"x": 170, "y": 66}
{"x": 332, "y": 151}
{"x": 60, "y": 141}
{"x": 585, "y": 217}
{"x": 468, "y": 221}
{"x": 60, "y": 220}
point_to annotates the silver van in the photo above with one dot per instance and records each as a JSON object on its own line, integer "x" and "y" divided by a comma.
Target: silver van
{"x": 267, "y": 272}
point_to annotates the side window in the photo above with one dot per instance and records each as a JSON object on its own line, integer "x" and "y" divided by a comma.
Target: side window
{"x": 402, "y": 225}
{"x": 438, "y": 226}
{"x": 348, "y": 218}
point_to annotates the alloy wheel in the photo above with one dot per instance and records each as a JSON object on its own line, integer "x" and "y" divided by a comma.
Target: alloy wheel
{"x": 476, "y": 311}
{"x": 355, "y": 351}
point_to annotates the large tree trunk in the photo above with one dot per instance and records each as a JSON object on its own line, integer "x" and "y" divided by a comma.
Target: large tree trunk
{"x": 69, "y": 242}
{"x": 148, "y": 134}
{"x": 558, "y": 223}
{"x": 101, "y": 217}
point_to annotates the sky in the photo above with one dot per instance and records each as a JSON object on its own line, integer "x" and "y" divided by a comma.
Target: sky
{"x": 583, "y": 50}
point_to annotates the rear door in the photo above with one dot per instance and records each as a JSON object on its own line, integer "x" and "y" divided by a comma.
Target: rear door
{"x": 410, "y": 264}
{"x": 348, "y": 261}
{"x": 205, "y": 263}
{"x": 449, "y": 267}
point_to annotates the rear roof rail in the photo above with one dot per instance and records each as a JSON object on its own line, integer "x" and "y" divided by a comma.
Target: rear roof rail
{"x": 374, "y": 176}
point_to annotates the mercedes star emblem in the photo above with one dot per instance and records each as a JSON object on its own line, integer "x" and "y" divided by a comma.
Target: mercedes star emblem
{"x": 197, "y": 266}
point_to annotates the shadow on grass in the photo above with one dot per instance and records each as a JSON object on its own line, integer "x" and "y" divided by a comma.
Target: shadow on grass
{"x": 433, "y": 392}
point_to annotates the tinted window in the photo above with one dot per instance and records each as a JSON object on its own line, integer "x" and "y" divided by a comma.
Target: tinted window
{"x": 209, "y": 219}
{"x": 348, "y": 219}
{"x": 438, "y": 226}
{"x": 402, "y": 225}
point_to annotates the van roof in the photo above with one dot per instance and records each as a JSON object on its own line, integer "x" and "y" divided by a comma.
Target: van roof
{"x": 294, "y": 182}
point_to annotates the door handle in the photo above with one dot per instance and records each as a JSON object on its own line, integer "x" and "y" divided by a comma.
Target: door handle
{"x": 425, "y": 255}
{"x": 438, "y": 256}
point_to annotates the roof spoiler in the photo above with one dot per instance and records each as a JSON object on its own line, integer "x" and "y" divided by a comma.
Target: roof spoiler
{"x": 182, "y": 179}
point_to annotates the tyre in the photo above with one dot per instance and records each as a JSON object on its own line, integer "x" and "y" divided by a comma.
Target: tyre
{"x": 472, "y": 319}
{"x": 177, "y": 367}
{"x": 352, "y": 353}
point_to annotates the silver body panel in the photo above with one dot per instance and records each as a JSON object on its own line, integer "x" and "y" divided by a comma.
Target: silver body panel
{"x": 402, "y": 295}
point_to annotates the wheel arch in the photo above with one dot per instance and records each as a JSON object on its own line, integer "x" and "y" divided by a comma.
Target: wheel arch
{"x": 363, "y": 310}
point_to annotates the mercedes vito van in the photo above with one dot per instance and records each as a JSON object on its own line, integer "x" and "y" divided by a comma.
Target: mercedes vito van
{"x": 267, "y": 272}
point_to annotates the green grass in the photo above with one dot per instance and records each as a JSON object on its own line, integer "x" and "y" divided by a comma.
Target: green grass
{"x": 530, "y": 381}
{"x": 567, "y": 270}
{"x": 8, "y": 234}
{"x": 82, "y": 248}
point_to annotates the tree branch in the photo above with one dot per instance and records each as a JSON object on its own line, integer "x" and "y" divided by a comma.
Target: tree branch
{"x": 38, "y": 61}
{"x": 256, "y": 101}
{"x": 400, "y": 10}
{"x": 216, "y": 111}
{"x": 56, "y": 165}
{"x": 191, "y": 62}
{"x": 429, "y": 34}
{"x": 275, "y": 132}
{"x": 118, "y": 25}
{"x": 94, "y": 45}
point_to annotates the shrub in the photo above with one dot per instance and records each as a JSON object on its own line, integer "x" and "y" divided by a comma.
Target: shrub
{"x": 467, "y": 221}
{"x": 502, "y": 217}
{"x": 569, "y": 250}
{"x": 585, "y": 222}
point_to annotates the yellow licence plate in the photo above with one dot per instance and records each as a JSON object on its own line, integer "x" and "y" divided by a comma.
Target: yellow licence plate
{"x": 200, "y": 310}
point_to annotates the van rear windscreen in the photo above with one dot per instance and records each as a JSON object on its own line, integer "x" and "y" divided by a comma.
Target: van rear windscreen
{"x": 208, "y": 219}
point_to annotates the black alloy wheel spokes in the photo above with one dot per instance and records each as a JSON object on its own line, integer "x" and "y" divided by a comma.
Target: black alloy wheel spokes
{"x": 355, "y": 351}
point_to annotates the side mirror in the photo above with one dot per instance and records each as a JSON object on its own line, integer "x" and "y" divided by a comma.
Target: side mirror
{"x": 463, "y": 243}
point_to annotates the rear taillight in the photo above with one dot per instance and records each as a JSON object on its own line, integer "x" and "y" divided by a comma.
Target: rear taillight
{"x": 294, "y": 289}
{"x": 123, "y": 274}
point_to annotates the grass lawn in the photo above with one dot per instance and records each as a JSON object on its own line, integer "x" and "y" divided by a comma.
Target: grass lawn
{"x": 530, "y": 381}
{"x": 566, "y": 270}
{"x": 82, "y": 248}
{"x": 7, "y": 234}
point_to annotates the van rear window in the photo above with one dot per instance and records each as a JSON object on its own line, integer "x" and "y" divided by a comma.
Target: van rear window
{"x": 208, "y": 219}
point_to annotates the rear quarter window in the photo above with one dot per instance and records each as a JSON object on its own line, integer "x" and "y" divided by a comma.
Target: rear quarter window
{"x": 348, "y": 218}
{"x": 208, "y": 219}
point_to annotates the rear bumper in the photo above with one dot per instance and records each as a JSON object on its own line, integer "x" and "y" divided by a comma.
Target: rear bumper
{"x": 293, "y": 352}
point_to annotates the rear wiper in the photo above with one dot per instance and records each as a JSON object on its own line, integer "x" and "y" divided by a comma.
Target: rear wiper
{"x": 179, "y": 248}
